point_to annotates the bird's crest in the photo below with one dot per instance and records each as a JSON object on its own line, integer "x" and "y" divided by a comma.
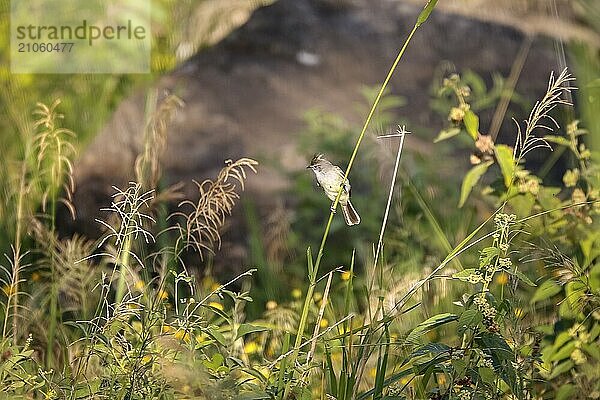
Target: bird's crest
{"x": 317, "y": 158}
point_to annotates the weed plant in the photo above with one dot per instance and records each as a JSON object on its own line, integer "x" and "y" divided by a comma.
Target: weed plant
{"x": 511, "y": 311}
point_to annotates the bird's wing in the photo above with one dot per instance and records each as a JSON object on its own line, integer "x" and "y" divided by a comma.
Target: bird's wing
{"x": 347, "y": 183}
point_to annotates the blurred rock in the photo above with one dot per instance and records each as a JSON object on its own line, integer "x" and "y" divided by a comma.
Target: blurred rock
{"x": 246, "y": 95}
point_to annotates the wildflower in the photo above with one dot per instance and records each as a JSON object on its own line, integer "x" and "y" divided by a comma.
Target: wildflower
{"x": 182, "y": 334}
{"x": 251, "y": 347}
{"x": 317, "y": 297}
{"x": 271, "y": 305}
{"x": 485, "y": 144}
{"x": 519, "y": 313}
{"x": 216, "y": 305}
{"x": 505, "y": 263}
{"x": 324, "y": 323}
{"x": 571, "y": 177}
{"x": 346, "y": 275}
{"x": 163, "y": 295}
{"x": 186, "y": 389}
{"x": 296, "y": 293}
{"x": 167, "y": 328}
{"x": 373, "y": 372}
{"x": 502, "y": 278}
{"x": 35, "y": 276}
{"x": 578, "y": 357}
{"x": 456, "y": 115}
{"x": 441, "y": 379}
{"x": 146, "y": 359}
{"x": 139, "y": 285}
{"x": 404, "y": 380}
{"x": 578, "y": 196}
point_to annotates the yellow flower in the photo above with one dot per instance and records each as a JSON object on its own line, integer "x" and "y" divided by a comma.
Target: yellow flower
{"x": 167, "y": 328}
{"x": 251, "y": 347}
{"x": 186, "y": 388}
{"x": 163, "y": 295}
{"x": 317, "y": 297}
{"x": 346, "y": 275}
{"x": 404, "y": 380}
{"x": 215, "y": 286}
{"x": 146, "y": 359}
{"x": 139, "y": 285}
{"x": 324, "y": 323}
{"x": 502, "y": 278}
{"x": 373, "y": 372}
{"x": 35, "y": 276}
{"x": 182, "y": 334}
{"x": 216, "y": 305}
{"x": 271, "y": 305}
{"x": 296, "y": 293}
{"x": 442, "y": 379}
{"x": 519, "y": 313}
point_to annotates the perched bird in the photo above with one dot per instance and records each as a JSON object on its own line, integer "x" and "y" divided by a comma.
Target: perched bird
{"x": 330, "y": 178}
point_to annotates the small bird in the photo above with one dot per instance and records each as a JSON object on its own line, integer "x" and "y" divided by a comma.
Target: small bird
{"x": 330, "y": 178}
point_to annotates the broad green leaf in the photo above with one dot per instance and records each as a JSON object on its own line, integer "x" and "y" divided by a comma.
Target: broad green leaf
{"x": 215, "y": 334}
{"x": 471, "y": 121}
{"x": 561, "y": 368}
{"x": 487, "y": 375}
{"x": 464, "y": 274}
{"x": 429, "y": 324}
{"x": 564, "y": 352}
{"x": 487, "y": 255}
{"x": 446, "y": 134}
{"x": 565, "y": 392}
{"x": 504, "y": 155}
{"x": 471, "y": 179}
{"x": 546, "y": 290}
{"x": 426, "y": 12}
{"x": 469, "y": 319}
{"x": 245, "y": 329}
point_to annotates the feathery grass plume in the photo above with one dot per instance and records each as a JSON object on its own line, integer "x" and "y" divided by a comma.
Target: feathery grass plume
{"x": 147, "y": 164}
{"x": 53, "y": 156}
{"x": 216, "y": 202}
{"x": 75, "y": 279}
{"x": 130, "y": 209}
{"x": 10, "y": 281}
{"x": 540, "y": 115}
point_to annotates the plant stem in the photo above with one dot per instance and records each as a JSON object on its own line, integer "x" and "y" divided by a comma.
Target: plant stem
{"x": 314, "y": 271}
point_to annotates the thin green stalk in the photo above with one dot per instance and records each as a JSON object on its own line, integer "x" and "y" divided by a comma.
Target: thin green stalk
{"x": 314, "y": 270}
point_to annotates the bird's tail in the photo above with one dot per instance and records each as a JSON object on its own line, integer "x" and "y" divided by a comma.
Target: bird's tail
{"x": 350, "y": 215}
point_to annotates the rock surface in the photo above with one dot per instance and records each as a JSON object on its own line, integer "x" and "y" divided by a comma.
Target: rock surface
{"x": 245, "y": 96}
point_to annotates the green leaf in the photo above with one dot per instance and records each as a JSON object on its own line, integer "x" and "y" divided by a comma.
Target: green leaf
{"x": 546, "y": 290}
{"x": 487, "y": 375}
{"x": 471, "y": 179}
{"x": 464, "y": 274}
{"x": 566, "y": 392}
{"x": 426, "y": 12}
{"x": 522, "y": 277}
{"x": 245, "y": 329}
{"x": 446, "y": 134}
{"x": 487, "y": 255}
{"x": 504, "y": 155}
{"x": 471, "y": 121}
{"x": 215, "y": 334}
{"x": 429, "y": 324}
{"x": 561, "y": 368}
{"x": 469, "y": 319}
{"x": 558, "y": 140}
